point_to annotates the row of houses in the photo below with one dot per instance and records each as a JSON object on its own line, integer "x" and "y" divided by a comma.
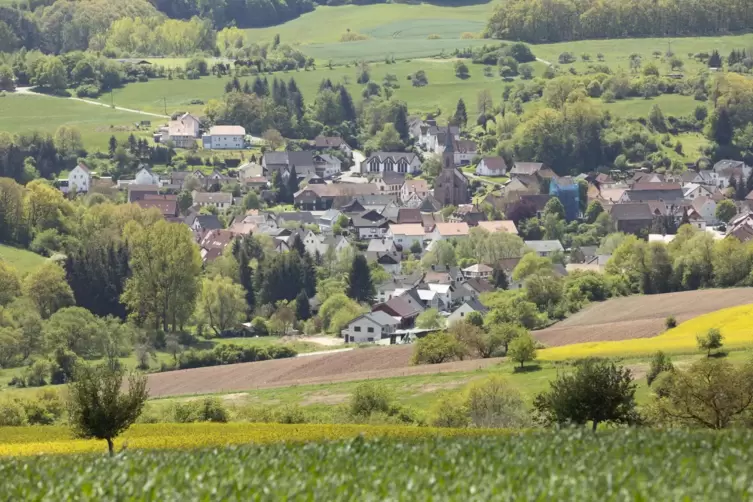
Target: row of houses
{"x": 183, "y": 132}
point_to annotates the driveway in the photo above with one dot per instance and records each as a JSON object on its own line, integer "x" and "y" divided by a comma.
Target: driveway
{"x": 28, "y": 91}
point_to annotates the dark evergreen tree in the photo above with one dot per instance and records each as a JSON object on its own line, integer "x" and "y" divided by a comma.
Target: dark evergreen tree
{"x": 97, "y": 274}
{"x": 246, "y": 87}
{"x": 243, "y": 251}
{"x": 308, "y": 272}
{"x": 499, "y": 278}
{"x": 278, "y": 183}
{"x": 721, "y": 127}
{"x": 113, "y": 145}
{"x": 740, "y": 192}
{"x": 401, "y": 124}
{"x": 302, "y": 307}
{"x": 236, "y": 84}
{"x": 282, "y": 278}
{"x": 346, "y": 105}
{"x": 259, "y": 88}
{"x": 292, "y": 185}
{"x": 749, "y": 182}
{"x": 461, "y": 114}
{"x": 326, "y": 84}
{"x": 715, "y": 60}
{"x": 360, "y": 287}
{"x": 298, "y": 246}
{"x": 228, "y": 87}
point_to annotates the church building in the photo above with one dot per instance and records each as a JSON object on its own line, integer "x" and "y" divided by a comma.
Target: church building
{"x": 451, "y": 186}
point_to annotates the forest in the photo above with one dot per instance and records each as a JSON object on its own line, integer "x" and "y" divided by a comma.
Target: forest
{"x": 544, "y": 21}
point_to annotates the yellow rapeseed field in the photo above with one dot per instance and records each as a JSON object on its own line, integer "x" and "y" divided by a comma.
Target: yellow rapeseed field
{"x": 735, "y": 323}
{"x": 58, "y": 439}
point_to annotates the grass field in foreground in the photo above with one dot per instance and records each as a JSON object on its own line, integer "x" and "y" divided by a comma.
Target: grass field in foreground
{"x": 632, "y": 464}
{"x": 58, "y": 439}
{"x": 25, "y": 113}
{"x": 22, "y": 260}
{"x": 735, "y": 323}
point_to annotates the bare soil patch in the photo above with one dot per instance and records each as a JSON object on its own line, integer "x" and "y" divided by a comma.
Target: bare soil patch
{"x": 360, "y": 364}
{"x": 639, "y": 316}
{"x": 325, "y": 398}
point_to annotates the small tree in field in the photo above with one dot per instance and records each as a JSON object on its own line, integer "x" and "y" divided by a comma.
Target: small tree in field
{"x": 98, "y": 408}
{"x": 712, "y": 340}
{"x": 522, "y": 349}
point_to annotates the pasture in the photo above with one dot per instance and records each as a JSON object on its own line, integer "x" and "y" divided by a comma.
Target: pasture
{"x": 22, "y": 260}
{"x": 27, "y": 113}
{"x": 618, "y": 464}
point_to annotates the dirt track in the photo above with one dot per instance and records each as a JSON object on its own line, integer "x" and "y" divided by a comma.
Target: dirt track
{"x": 359, "y": 364}
{"x": 639, "y": 316}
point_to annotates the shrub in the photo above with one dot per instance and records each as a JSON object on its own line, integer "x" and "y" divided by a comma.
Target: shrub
{"x": 369, "y": 398}
{"x": 433, "y": 36}
{"x": 467, "y": 35}
{"x": 492, "y": 403}
{"x": 352, "y": 36}
{"x": 660, "y": 362}
{"x": 451, "y": 411}
{"x": 87, "y": 91}
{"x": 670, "y": 322}
{"x": 209, "y": 409}
{"x": 12, "y": 413}
{"x": 437, "y": 348}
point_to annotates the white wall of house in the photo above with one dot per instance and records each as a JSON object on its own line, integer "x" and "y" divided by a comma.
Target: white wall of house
{"x": 144, "y": 177}
{"x": 463, "y": 158}
{"x": 459, "y": 314}
{"x": 371, "y": 233}
{"x": 364, "y": 330}
{"x": 374, "y": 165}
{"x": 483, "y": 170}
{"x": 81, "y": 178}
{"x": 405, "y": 240}
{"x": 708, "y": 212}
{"x": 226, "y": 142}
{"x": 182, "y": 141}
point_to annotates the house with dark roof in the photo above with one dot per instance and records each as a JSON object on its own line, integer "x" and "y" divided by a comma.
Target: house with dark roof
{"x": 545, "y": 248}
{"x": 323, "y": 197}
{"x": 642, "y": 192}
{"x": 284, "y": 161}
{"x": 526, "y": 168}
{"x": 400, "y": 162}
{"x": 405, "y": 308}
{"x": 168, "y": 208}
{"x": 298, "y": 217}
{"x": 465, "y": 308}
{"x": 726, "y": 169}
{"x": 220, "y": 200}
{"x": 331, "y": 143}
{"x": 631, "y": 218}
{"x": 139, "y": 192}
{"x": 408, "y": 215}
{"x": 369, "y": 225}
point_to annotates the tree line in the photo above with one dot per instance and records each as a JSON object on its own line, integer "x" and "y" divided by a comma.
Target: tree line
{"x": 542, "y": 21}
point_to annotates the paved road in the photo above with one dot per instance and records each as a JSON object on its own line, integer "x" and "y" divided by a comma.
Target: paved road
{"x": 27, "y": 90}
{"x": 358, "y": 157}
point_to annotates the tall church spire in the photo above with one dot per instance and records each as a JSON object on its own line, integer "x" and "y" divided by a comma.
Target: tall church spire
{"x": 448, "y": 156}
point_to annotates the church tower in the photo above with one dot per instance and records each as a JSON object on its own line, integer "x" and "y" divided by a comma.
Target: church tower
{"x": 451, "y": 186}
{"x": 448, "y": 156}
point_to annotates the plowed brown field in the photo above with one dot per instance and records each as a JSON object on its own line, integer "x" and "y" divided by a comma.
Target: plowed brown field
{"x": 617, "y": 319}
{"x": 639, "y": 316}
{"x": 358, "y": 364}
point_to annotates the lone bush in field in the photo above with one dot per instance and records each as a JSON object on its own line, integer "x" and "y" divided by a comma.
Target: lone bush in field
{"x": 660, "y": 363}
{"x": 670, "y": 322}
{"x": 597, "y": 391}
{"x": 209, "y": 409}
{"x": 97, "y": 406}
{"x": 370, "y": 398}
{"x": 712, "y": 340}
{"x": 492, "y": 403}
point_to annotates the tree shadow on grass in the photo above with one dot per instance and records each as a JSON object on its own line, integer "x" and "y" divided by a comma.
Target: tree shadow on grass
{"x": 527, "y": 369}
{"x": 718, "y": 355}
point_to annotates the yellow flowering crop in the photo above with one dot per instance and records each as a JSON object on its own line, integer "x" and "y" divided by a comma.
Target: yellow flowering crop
{"x": 57, "y": 439}
{"x": 735, "y": 323}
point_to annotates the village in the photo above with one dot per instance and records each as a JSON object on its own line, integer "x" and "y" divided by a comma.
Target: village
{"x": 388, "y": 207}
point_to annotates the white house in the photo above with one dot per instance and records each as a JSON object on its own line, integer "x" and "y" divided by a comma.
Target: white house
{"x": 706, "y": 207}
{"x": 182, "y": 132}
{"x": 321, "y": 243}
{"x": 692, "y": 191}
{"x": 220, "y": 200}
{"x": 225, "y": 137}
{"x": 327, "y": 165}
{"x": 399, "y": 162}
{"x": 443, "y": 292}
{"x": 465, "y": 151}
{"x": 468, "y": 306}
{"x": 370, "y": 327}
{"x": 545, "y": 248}
{"x": 146, "y": 177}
{"x": 390, "y": 183}
{"x": 414, "y": 188}
{"x": 491, "y": 166}
{"x": 80, "y": 177}
{"x": 407, "y": 234}
{"x": 250, "y": 170}
{"x": 444, "y": 231}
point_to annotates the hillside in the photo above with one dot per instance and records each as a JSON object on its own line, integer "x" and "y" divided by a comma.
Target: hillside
{"x": 22, "y": 260}
{"x": 639, "y": 316}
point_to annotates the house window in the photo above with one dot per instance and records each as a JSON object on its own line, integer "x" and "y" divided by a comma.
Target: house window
{"x": 371, "y": 339}
{"x": 370, "y": 330}
{"x": 357, "y": 329}
{"x": 352, "y": 338}
{"x": 389, "y": 165}
{"x": 462, "y": 314}
{"x": 374, "y": 165}
{"x": 402, "y": 166}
